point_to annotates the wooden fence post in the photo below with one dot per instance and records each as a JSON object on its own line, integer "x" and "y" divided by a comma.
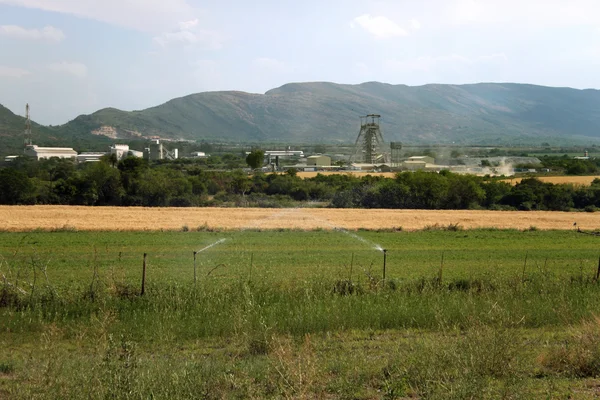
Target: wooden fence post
{"x": 144, "y": 276}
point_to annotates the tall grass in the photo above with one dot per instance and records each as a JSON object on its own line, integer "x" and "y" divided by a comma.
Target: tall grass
{"x": 272, "y": 339}
{"x": 184, "y": 312}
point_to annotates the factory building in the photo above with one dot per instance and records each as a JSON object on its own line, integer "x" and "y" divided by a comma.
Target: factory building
{"x": 89, "y": 157}
{"x": 413, "y": 165}
{"x": 157, "y": 151}
{"x": 283, "y": 153}
{"x": 120, "y": 150}
{"x": 318, "y": 161}
{"x": 426, "y": 159}
{"x": 40, "y": 153}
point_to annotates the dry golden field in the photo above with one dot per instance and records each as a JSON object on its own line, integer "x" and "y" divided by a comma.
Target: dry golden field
{"x": 25, "y": 218}
{"x": 576, "y": 180}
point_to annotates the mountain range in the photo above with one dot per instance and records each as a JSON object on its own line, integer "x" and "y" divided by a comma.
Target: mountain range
{"x": 322, "y": 112}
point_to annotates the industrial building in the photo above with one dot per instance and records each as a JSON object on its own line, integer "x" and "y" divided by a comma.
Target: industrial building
{"x": 120, "y": 150}
{"x": 283, "y": 153}
{"x": 40, "y": 153}
{"x": 89, "y": 157}
{"x": 157, "y": 151}
{"x": 318, "y": 161}
{"x": 426, "y": 159}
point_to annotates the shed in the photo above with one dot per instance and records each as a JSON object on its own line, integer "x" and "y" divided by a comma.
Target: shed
{"x": 318, "y": 161}
{"x": 426, "y": 159}
{"x": 413, "y": 165}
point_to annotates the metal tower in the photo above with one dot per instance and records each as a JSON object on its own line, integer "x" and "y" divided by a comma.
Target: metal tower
{"x": 369, "y": 143}
{"x": 27, "y": 126}
{"x": 396, "y": 151}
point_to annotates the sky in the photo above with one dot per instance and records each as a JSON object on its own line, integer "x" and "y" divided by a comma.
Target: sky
{"x": 72, "y": 57}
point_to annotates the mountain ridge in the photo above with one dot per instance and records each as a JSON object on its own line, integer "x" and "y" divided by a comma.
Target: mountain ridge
{"x": 300, "y": 112}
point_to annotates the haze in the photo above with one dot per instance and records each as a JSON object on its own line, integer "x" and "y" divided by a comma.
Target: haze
{"x": 68, "y": 57}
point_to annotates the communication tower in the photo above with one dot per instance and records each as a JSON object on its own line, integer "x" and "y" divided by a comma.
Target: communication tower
{"x": 369, "y": 143}
{"x": 27, "y": 127}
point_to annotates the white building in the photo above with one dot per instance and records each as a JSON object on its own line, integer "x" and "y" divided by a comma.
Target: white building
{"x": 135, "y": 153}
{"x": 426, "y": 159}
{"x": 120, "y": 150}
{"x": 40, "y": 153}
{"x": 89, "y": 157}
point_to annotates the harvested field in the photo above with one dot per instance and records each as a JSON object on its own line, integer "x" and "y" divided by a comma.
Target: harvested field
{"x": 26, "y": 218}
{"x": 575, "y": 180}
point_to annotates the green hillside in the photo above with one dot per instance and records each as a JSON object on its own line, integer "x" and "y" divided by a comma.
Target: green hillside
{"x": 309, "y": 112}
{"x": 486, "y": 113}
{"x": 12, "y": 127}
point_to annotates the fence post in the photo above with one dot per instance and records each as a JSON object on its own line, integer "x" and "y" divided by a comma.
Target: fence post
{"x": 384, "y": 262}
{"x": 195, "y": 275}
{"x": 144, "y": 276}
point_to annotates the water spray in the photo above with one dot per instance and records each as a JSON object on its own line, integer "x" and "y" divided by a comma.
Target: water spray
{"x": 209, "y": 246}
{"x": 200, "y": 251}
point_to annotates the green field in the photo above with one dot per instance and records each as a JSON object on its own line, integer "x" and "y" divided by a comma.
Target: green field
{"x": 294, "y": 314}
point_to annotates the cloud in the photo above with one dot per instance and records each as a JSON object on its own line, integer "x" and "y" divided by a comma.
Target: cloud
{"x": 10, "y": 72}
{"x": 189, "y": 34}
{"x": 188, "y": 25}
{"x": 78, "y": 70}
{"x": 415, "y": 24}
{"x": 142, "y": 15}
{"x": 383, "y": 27}
{"x": 48, "y": 33}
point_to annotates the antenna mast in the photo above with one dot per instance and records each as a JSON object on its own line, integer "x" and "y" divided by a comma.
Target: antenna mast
{"x": 27, "y": 126}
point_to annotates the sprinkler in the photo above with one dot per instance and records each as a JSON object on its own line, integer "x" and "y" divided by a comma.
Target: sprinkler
{"x": 384, "y": 261}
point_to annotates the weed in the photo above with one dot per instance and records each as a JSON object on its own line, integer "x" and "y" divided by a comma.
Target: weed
{"x": 6, "y": 367}
{"x": 578, "y": 356}
{"x": 64, "y": 228}
{"x": 346, "y": 288}
{"x": 450, "y": 227}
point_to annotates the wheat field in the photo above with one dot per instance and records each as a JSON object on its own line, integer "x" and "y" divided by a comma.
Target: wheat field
{"x": 27, "y": 218}
{"x": 576, "y": 180}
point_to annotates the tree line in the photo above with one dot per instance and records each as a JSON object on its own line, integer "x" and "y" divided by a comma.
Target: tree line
{"x": 135, "y": 182}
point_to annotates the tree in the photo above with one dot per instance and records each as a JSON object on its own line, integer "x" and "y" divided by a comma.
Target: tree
{"x": 106, "y": 181}
{"x": 110, "y": 159}
{"x": 255, "y": 159}
{"x": 15, "y": 187}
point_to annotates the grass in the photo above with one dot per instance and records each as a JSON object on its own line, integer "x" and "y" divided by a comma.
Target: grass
{"x": 294, "y": 314}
